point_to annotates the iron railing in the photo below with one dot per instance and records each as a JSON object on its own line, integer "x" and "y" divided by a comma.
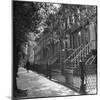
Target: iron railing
{"x": 73, "y": 55}
{"x": 83, "y": 53}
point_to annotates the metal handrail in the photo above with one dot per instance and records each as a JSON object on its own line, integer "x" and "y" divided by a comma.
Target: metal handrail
{"x": 73, "y": 53}
{"x": 93, "y": 59}
{"x": 89, "y": 59}
{"x": 80, "y": 53}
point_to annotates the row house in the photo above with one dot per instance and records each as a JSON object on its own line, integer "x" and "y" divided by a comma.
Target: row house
{"x": 49, "y": 50}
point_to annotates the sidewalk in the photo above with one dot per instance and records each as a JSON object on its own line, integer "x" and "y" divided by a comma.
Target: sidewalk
{"x": 39, "y": 86}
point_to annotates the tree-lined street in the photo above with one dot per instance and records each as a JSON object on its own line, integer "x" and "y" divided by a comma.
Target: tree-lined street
{"x": 54, "y": 49}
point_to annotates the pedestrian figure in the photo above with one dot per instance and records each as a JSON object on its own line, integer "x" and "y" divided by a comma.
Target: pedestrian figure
{"x": 49, "y": 71}
{"x": 28, "y": 66}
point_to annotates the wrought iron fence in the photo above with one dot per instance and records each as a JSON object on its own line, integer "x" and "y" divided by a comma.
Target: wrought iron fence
{"x": 82, "y": 78}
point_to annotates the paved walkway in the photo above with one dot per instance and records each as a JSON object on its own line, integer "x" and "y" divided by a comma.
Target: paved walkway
{"x": 39, "y": 86}
{"x": 75, "y": 82}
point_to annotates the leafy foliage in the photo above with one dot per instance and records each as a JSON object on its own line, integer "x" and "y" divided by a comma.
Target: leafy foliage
{"x": 31, "y": 20}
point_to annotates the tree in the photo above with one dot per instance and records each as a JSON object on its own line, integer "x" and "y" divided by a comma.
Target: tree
{"x": 33, "y": 19}
{"x": 25, "y": 20}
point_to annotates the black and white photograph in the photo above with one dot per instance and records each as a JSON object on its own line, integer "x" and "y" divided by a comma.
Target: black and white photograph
{"x": 54, "y": 49}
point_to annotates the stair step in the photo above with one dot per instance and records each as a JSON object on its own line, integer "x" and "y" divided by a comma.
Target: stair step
{"x": 69, "y": 65}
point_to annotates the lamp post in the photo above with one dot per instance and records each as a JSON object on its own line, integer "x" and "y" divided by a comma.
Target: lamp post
{"x": 79, "y": 34}
{"x": 62, "y": 58}
{"x": 82, "y": 77}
